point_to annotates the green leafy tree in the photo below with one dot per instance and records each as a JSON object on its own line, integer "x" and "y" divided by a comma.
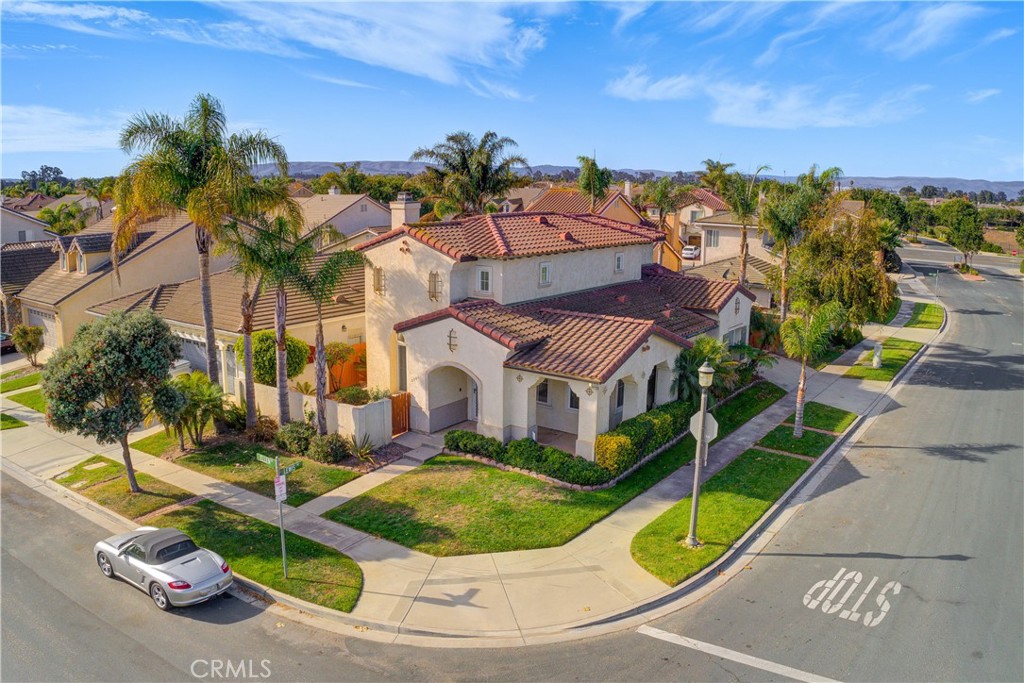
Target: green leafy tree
{"x": 805, "y": 336}
{"x": 319, "y": 281}
{"x": 593, "y": 180}
{"x": 783, "y": 214}
{"x": 465, "y": 173}
{"x": 99, "y": 190}
{"x": 964, "y": 223}
{"x": 921, "y": 216}
{"x": 1020, "y": 237}
{"x": 664, "y": 195}
{"x": 65, "y": 219}
{"x": 194, "y": 165}
{"x": 111, "y": 376}
{"x": 891, "y": 208}
{"x": 715, "y": 176}
{"x": 741, "y": 194}
{"x": 28, "y": 340}
{"x": 264, "y": 357}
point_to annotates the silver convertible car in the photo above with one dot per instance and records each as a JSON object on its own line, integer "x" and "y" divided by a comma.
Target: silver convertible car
{"x": 166, "y": 564}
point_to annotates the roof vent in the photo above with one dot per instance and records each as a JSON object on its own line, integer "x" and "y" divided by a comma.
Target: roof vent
{"x": 567, "y": 236}
{"x": 542, "y": 220}
{"x": 667, "y": 313}
{"x": 622, "y": 298}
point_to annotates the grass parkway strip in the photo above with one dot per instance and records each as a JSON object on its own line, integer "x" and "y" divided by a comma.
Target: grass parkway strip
{"x": 31, "y": 399}
{"x": 895, "y": 354}
{"x": 20, "y": 382}
{"x": 103, "y": 481}
{"x": 9, "y": 422}
{"x": 927, "y": 316}
{"x": 455, "y": 506}
{"x": 821, "y": 416}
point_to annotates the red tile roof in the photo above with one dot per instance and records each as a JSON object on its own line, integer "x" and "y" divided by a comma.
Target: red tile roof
{"x": 514, "y": 235}
{"x": 571, "y": 200}
{"x": 709, "y": 199}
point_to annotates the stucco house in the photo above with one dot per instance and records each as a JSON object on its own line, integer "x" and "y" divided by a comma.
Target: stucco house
{"x": 19, "y": 227}
{"x": 94, "y": 210}
{"x": 351, "y": 215}
{"x": 180, "y": 305}
{"x": 758, "y": 272}
{"x": 82, "y": 275}
{"x": 20, "y": 264}
{"x": 569, "y": 200}
{"x": 545, "y": 325}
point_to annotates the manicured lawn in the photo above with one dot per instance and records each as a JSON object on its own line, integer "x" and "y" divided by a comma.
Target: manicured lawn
{"x": 890, "y": 312}
{"x": 316, "y": 573}
{"x": 811, "y": 444}
{"x": 108, "y": 486}
{"x": 157, "y": 444}
{"x": 454, "y": 506}
{"x": 236, "y": 463}
{"x": 20, "y": 382}
{"x": 829, "y": 357}
{"x": 730, "y": 503}
{"x": 895, "y": 354}
{"x": 928, "y": 316}
{"x": 8, "y": 422}
{"x": 821, "y": 416}
{"x": 31, "y": 399}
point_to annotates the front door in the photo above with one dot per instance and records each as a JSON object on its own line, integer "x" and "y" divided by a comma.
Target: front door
{"x": 473, "y": 409}
{"x": 652, "y": 385}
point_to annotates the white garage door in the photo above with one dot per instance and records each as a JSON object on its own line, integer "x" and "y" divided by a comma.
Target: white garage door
{"x": 47, "y": 321}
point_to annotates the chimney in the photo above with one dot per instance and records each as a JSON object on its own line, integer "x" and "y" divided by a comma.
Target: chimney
{"x": 404, "y": 210}
{"x": 628, "y": 189}
{"x": 334, "y": 190}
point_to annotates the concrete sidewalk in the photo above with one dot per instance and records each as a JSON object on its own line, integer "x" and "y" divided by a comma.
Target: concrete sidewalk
{"x": 512, "y": 595}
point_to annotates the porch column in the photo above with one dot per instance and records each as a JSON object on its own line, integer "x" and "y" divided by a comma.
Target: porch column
{"x": 520, "y": 406}
{"x": 663, "y": 385}
{"x": 222, "y": 358}
{"x": 593, "y": 415}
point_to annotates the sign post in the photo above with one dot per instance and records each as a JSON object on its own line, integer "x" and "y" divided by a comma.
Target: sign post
{"x": 280, "y": 493}
{"x": 710, "y": 433}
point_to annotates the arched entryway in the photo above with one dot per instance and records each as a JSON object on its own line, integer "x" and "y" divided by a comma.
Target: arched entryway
{"x": 453, "y": 396}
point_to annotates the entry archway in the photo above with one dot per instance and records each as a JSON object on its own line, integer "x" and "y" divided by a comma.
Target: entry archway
{"x": 453, "y": 396}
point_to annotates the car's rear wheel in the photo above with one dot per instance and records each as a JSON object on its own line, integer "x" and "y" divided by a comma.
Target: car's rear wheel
{"x": 159, "y": 596}
{"x": 104, "y": 562}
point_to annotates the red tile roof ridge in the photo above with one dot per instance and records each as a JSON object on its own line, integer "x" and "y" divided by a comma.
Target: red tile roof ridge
{"x": 601, "y": 316}
{"x": 628, "y": 228}
{"x": 499, "y": 236}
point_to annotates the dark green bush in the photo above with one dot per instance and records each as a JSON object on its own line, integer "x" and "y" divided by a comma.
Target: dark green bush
{"x": 263, "y": 431}
{"x": 991, "y": 248}
{"x": 571, "y": 468}
{"x": 328, "y": 448}
{"x": 294, "y": 437}
{"x": 471, "y": 442}
{"x": 524, "y": 453}
{"x": 619, "y": 449}
{"x": 847, "y": 337}
{"x": 354, "y": 396}
{"x": 234, "y": 417}
{"x": 264, "y": 357}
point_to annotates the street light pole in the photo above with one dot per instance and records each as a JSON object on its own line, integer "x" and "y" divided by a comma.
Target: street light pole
{"x": 706, "y": 375}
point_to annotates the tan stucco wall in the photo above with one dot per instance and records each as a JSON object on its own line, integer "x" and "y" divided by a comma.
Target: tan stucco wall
{"x": 621, "y": 212}
{"x": 352, "y": 220}
{"x": 729, "y": 244}
{"x": 729, "y": 320}
{"x": 11, "y": 222}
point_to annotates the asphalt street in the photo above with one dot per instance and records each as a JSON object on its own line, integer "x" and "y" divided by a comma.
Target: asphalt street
{"x": 930, "y": 498}
{"x": 934, "y": 251}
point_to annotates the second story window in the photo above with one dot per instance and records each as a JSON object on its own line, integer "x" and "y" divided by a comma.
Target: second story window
{"x": 81, "y": 263}
{"x": 710, "y": 238}
{"x": 434, "y": 286}
{"x": 378, "y": 280}
{"x": 63, "y": 261}
{"x": 620, "y": 264}
{"x": 542, "y": 394}
{"x": 545, "y": 273}
{"x": 362, "y": 208}
{"x": 694, "y": 216}
{"x": 483, "y": 280}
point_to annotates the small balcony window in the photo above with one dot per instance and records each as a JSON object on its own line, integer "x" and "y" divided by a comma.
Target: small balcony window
{"x": 545, "y": 273}
{"x": 483, "y": 280}
{"x": 434, "y": 286}
{"x": 620, "y": 262}
{"x": 378, "y": 280}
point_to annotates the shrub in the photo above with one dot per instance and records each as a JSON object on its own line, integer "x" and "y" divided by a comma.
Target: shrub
{"x": 28, "y": 339}
{"x": 337, "y": 352}
{"x": 471, "y": 442}
{"x": 660, "y": 424}
{"x": 362, "y": 449}
{"x": 847, "y": 337}
{"x": 264, "y": 357}
{"x": 524, "y": 453}
{"x": 991, "y": 248}
{"x": 571, "y": 468}
{"x": 327, "y": 448}
{"x": 614, "y": 452}
{"x": 353, "y": 396}
{"x": 294, "y": 437}
{"x": 263, "y": 431}
{"x": 680, "y": 414}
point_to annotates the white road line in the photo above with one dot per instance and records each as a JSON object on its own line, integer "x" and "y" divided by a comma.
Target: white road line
{"x": 732, "y": 655}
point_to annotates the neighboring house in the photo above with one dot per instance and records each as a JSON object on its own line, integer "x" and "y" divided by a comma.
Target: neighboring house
{"x": 519, "y": 198}
{"x": 299, "y": 189}
{"x": 758, "y": 271}
{"x": 19, "y": 227}
{"x": 94, "y": 211}
{"x": 569, "y": 200}
{"x": 20, "y": 264}
{"x": 82, "y": 275}
{"x": 180, "y": 304}
{"x": 719, "y": 236}
{"x": 680, "y": 225}
{"x": 546, "y": 325}
{"x": 30, "y": 203}
{"x": 350, "y": 214}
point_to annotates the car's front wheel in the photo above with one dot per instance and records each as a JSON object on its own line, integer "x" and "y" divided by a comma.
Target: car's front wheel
{"x": 104, "y": 562}
{"x": 159, "y": 596}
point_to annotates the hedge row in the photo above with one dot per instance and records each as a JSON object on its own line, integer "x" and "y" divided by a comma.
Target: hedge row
{"x": 527, "y": 454}
{"x": 636, "y": 438}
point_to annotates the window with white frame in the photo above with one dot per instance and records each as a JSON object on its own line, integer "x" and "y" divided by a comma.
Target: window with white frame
{"x": 710, "y": 238}
{"x": 378, "y": 280}
{"x": 543, "y": 397}
{"x": 574, "y": 400}
{"x": 545, "y": 273}
{"x": 737, "y": 336}
{"x": 483, "y": 279}
{"x": 620, "y": 262}
{"x": 63, "y": 261}
{"x": 81, "y": 262}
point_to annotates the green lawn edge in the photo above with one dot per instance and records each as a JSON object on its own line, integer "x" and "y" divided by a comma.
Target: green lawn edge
{"x": 896, "y": 353}
{"x": 156, "y": 444}
{"x": 890, "y": 313}
{"x": 316, "y": 573}
{"x": 453, "y": 506}
{"x": 31, "y": 399}
{"x": 20, "y": 382}
{"x": 821, "y": 416}
{"x": 810, "y": 444}
{"x": 108, "y": 487}
{"x": 731, "y": 502}
{"x": 10, "y": 422}
{"x": 926, "y": 316}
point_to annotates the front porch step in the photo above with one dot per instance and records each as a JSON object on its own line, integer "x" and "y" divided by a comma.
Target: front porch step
{"x": 422, "y": 454}
{"x": 416, "y": 440}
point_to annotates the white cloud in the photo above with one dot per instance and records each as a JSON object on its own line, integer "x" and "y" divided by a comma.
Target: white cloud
{"x": 975, "y": 96}
{"x": 637, "y": 85}
{"x": 818, "y": 18}
{"x": 487, "y": 88}
{"x": 37, "y": 128}
{"x": 923, "y": 27}
{"x": 344, "y": 82}
{"x": 734, "y": 18}
{"x": 628, "y": 11}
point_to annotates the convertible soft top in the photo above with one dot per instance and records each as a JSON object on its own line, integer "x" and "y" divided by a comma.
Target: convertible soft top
{"x": 155, "y": 541}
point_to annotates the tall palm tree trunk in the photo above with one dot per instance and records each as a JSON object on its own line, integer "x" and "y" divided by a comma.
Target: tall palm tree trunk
{"x": 203, "y": 245}
{"x": 801, "y": 390}
{"x": 321, "y": 375}
{"x": 248, "y": 308}
{"x": 783, "y": 287}
{"x": 743, "y": 255}
{"x": 126, "y": 455}
{"x": 280, "y": 311}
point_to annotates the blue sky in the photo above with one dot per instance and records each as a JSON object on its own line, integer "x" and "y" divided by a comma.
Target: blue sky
{"x": 877, "y": 88}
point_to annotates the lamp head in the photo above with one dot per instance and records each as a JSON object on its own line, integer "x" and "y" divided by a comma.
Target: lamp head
{"x": 705, "y": 375}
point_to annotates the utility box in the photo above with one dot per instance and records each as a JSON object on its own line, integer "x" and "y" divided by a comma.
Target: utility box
{"x": 876, "y": 360}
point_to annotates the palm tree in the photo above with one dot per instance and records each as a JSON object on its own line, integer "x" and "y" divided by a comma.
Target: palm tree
{"x": 593, "y": 180}
{"x": 465, "y": 172}
{"x": 195, "y": 166}
{"x": 715, "y": 175}
{"x": 275, "y": 249}
{"x": 704, "y": 348}
{"x": 782, "y": 218}
{"x": 742, "y": 196}
{"x": 98, "y": 189}
{"x": 821, "y": 184}
{"x": 805, "y": 336}
{"x": 664, "y": 195}
{"x": 319, "y": 281}
{"x": 66, "y": 219}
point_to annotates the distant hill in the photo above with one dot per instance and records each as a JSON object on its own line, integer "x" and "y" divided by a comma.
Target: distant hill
{"x": 310, "y": 169}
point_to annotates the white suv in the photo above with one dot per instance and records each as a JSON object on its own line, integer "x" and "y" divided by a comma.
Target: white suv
{"x": 691, "y": 251}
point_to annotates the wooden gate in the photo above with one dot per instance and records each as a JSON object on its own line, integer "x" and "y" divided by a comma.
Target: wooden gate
{"x": 400, "y": 403}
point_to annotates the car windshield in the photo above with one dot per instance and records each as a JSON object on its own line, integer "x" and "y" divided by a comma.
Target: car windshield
{"x": 173, "y": 552}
